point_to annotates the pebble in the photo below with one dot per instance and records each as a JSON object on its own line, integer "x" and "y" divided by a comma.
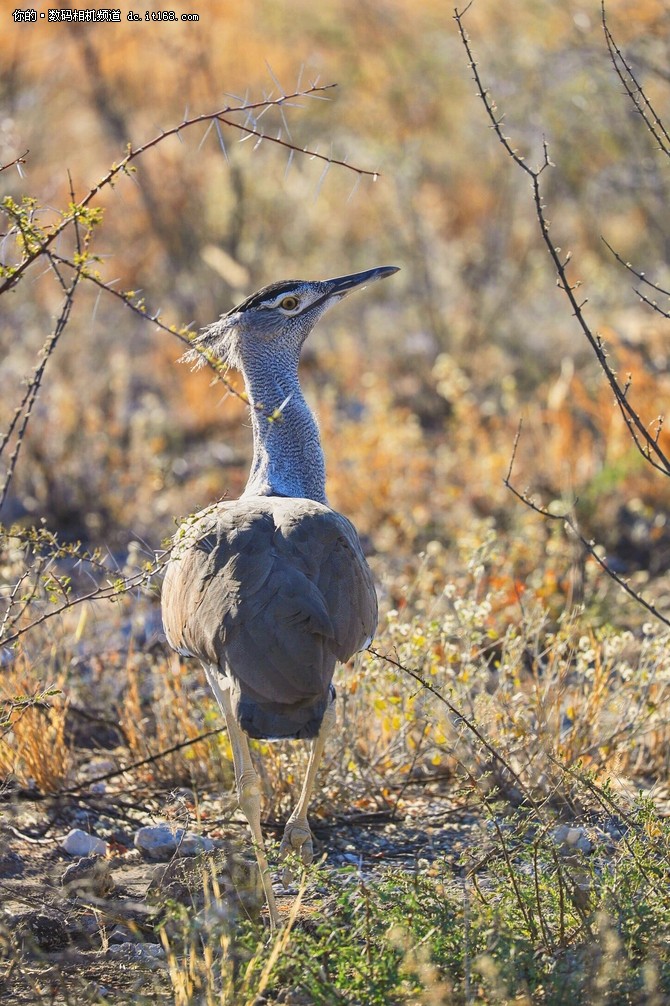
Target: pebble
{"x": 83, "y": 927}
{"x": 192, "y": 844}
{"x": 571, "y": 839}
{"x": 97, "y": 767}
{"x": 147, "y": 954}
{"x": 11, "y": 865}
{"x": 160, "y": 842}
{"x": 80, "y": 843}
{"x": 43, "y": 929}
{"x": 121, "y": 934}
{"x": 214, "y": 917}
{"x": 90, "y": 875}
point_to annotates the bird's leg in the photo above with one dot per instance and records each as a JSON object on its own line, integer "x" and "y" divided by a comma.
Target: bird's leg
{"x": 297, "y": 833}
{"x": 248, "y": 789}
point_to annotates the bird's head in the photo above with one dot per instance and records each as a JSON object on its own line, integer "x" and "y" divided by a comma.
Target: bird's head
{"x": 277, "y": 319}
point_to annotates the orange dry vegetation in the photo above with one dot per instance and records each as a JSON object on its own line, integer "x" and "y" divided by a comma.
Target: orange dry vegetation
{"x": 420, "y": 383}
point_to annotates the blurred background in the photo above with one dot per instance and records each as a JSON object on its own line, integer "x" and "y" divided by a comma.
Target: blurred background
{"x": 419, "y": 383}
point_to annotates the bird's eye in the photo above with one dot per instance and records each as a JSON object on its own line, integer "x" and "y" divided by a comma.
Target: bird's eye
{"x": 289, "y": 303}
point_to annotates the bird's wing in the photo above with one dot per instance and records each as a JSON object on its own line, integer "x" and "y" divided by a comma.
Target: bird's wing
{"x": 274, "y": 589}
{"x": 334, "y": 560}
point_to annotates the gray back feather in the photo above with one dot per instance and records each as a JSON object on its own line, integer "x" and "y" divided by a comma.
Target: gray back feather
{"x": 273, "y": 591}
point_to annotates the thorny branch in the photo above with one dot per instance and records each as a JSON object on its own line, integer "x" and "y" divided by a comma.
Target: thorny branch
{"x": 24, "y": 409}
{"x": 589, "y": 546}
{"x": 646, "y": 439}
{"x": 38, "y": 243}
{"x": 18, "y": 161}
{"x": 461, "y": 718}
{"x": 634, "y": 89}
{"x": 642, "y": 278}
{"x": 646, "y": 443}
{"x": 100, "y": 592}
{"x": 149, "y": 760}
{"x": 220, "y": 116}
{"x": 184, "y": 335}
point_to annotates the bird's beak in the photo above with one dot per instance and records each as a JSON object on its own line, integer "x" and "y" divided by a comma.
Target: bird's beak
{"x": 344, "y": 284}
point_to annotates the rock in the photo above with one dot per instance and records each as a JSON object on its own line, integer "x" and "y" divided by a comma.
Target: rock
{"x": 571, "y": 840}
{"x": 80, "y": 843}
{"x": 11, "y": 865}
{"x": 84, "y": 927}
{"x": 214, "y": 918}
{"x": 161, "y": 842}
{"x": 191, "y": 883}
{"x": 157, "y": 842}
{"x": 131, "y": 857}
{"x": 192, "y": 844}
{"x": 43, "y": 929}
{"x": 88, "y": 876}
{"x": 121, "y": 934}
{"x": 147, "y": 954}
{"x": 97, "y": 767}
{"x": 177, "y": 881}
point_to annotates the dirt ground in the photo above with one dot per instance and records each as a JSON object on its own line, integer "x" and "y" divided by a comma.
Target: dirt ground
{"x": 66, "y": 938}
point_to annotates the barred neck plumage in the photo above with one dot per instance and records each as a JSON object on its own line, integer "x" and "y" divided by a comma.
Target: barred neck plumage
{"x": 262, "y": 337}
{"x": 288, "y": 458}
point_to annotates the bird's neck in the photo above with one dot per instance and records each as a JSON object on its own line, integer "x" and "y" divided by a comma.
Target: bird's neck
{"x": 288, "y": 458}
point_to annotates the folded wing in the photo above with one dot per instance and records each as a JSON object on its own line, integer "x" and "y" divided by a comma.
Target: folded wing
{"x": 273, "y": 591}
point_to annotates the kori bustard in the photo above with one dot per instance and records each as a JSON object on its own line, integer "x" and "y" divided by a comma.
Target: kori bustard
{"x": 269, "y": 591}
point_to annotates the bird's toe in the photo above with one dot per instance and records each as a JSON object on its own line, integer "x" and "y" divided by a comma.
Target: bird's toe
{"x": 297, "y": 840}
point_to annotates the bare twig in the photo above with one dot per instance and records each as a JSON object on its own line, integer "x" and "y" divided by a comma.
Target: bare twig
{"x": 589, "y": 547}
{"x": 646, "y": 443}
{"x": 149, "y": 760}
{"x": 184, "y": 335}
{"x": 644, "y": 279}
{"x": 223, "y": 116}
{"x": 101, "y": 592}
{"x": 29, "y": 399}
{"x": 470, "y": 725}
{"x": 21, "y": 159}
{"x": 634, "y": 89}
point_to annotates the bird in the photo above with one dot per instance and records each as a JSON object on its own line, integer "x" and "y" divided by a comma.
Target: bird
{"x": 271, "y": 590}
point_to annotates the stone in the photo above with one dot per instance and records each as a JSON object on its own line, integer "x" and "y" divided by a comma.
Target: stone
{"x": 80, "y": 843}
{"x": 84, "y": 927}
{"x": 11, "y": 865}
{"x": 42, "y": 929}
{"x": 161, "y": 843}
{"x": 145, "y": 954}
{"x": 219, "y": 915}
{"x": 192, "y": 844}
{"x": 571, "y": 839}
{"x": 88, "y": 876}
{"x": 157, "y": 842}
{"x": 97, "y": 767}
{"x": 122, "y": 934}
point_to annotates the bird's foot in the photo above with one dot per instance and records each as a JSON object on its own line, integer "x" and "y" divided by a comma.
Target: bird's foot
{"x": 297, "y": 841}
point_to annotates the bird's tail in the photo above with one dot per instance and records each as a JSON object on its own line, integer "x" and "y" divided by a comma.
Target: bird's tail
{"x": 273, "y": 721}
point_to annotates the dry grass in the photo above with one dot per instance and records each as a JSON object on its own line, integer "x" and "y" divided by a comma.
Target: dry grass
{"x": 516, "y": 672}
{"x": 34, "y": 751}
{"x": 162, "y": 705}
